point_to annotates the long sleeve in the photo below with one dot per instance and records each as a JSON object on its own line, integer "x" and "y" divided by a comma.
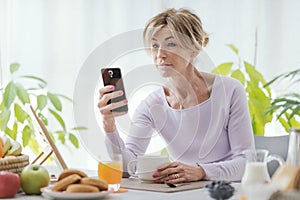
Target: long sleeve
{"x": 240, "y": 138}
{"x": 137, "y": 139}
{"x": 214, "y": 133}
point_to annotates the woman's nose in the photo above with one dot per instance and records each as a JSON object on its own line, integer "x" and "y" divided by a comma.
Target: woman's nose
{"x": 161, "y": 53}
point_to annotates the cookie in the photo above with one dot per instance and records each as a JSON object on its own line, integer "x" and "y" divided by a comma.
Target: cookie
{"x": 68, "y": 172}
{"x": 81, "y": 188}
{"x": 99, "y": 183}
{"x": 64, "y": 183}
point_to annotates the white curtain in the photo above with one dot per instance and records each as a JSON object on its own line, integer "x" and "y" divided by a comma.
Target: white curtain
{"x": 52, "y": 38}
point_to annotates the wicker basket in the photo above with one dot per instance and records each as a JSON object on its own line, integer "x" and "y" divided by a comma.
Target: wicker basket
{"x": 14, "y": 164}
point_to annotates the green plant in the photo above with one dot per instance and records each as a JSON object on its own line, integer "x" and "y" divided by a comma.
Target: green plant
{"x": 15, "y": 117}
{"x": 259, "y": 97}
{"x": 287, "y": 106}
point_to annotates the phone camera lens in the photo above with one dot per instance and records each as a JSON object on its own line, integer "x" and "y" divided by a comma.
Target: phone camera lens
{"x": 110, "y": 73}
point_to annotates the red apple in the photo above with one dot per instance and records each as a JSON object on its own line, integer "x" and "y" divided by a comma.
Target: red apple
{"x": 33, "y": 178}
{"x": 9, "y": 184}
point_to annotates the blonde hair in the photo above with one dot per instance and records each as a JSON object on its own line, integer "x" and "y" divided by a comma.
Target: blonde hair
{"x": 185, "y": 26}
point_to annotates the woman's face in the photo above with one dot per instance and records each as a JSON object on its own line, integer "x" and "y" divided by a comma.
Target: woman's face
{"x": 170, "y": 58}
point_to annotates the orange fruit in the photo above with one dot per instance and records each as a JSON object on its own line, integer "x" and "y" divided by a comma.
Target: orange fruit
{"x": 1, "y": 148}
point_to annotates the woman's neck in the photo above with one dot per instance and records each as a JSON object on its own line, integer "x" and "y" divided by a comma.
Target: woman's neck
{"x": 188, "y": 90}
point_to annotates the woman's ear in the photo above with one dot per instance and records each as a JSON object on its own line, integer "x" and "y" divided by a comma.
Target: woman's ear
{"x": 195, "y": 53}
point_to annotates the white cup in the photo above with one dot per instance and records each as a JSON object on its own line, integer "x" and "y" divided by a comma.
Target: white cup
{"x": 144, "y": 166}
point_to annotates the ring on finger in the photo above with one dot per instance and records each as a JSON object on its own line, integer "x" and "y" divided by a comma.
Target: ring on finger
{"x": 176, "y": 176}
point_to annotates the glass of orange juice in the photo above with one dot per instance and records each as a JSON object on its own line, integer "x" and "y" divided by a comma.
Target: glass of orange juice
{"x": 111, "y": 171}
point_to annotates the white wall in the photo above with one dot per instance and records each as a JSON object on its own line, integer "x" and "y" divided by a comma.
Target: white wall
{"x": 53, "y": 38}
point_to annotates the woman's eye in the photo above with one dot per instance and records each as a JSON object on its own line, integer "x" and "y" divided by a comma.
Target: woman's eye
{"x": 172, "y": 44}
{"x": 155, "y": 46}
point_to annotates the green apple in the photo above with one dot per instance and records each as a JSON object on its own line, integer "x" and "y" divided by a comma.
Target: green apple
{"x": 33, "y": 178}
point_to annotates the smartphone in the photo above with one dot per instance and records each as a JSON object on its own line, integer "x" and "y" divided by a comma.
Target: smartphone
{"x": 113, "y": 76}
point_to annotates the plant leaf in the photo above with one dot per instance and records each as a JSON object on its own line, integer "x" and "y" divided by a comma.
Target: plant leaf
{"x": 291, "y": 74}
{"x": 43, "y": 118}
{"x": 20, "y": 114}
{"x": 55, "y": 101}
{"x": 61, "y": 136}
{"x": 34, "y": 146}
{"x": 58, "y": 118}
{"x": 73, "y": 139}
{"x": 4, "y": 118}
{"x": 164, "y": 152}
{"x": 41, "y": 101}
{"x": 237, "y": 74}
{"x": 26, "y": 135}
{"x": 12, "y": 132}
{"x": 223, "y": 68}
{"x": 295, "y": 111}
{"x": 22, "y": 94}
{"x": 14, "y": 67}
{"x": 256, "y": 77}
{"x": 284, "y": 124}
{"x": 9, "y": 94}
{"x": 233, "y": 48}
{"x": 79, "y": 128}
{"x": 258, "y": 104}
{"x": 42, "y": 84}
{"x": 257, "y": 126}
{"x": 294, "y": 123}
{"x": 65, "y": 97}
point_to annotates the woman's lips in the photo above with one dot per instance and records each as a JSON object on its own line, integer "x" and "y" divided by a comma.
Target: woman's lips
{"x": 164, "y": 65}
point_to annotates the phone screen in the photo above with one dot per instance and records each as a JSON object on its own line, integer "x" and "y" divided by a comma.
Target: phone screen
{"x": 113, "y": 76}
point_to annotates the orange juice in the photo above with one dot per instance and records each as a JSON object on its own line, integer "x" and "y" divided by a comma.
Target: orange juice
{"x": 111, "y": 172}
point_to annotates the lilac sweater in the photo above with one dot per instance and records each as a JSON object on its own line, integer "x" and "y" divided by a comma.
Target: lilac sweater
{"x": 213, "y": 133}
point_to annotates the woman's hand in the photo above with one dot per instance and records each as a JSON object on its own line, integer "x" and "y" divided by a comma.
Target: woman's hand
{"x": 177, "y": 172}
{"x": 106, "y": 93}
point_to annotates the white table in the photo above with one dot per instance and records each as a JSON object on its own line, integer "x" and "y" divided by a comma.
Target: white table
{"x": 201, "y": 194}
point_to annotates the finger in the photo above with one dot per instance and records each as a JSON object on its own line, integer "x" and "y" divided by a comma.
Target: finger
{"x": 118, "y": 104}
{"x": 177, "y": 178}
{"x": 172, "y": 178}
{"x": 108, "y": 96}
{"x": 106, "y": 110}
{"x": 168, "y": 165}
{"x": 165, "y": 173}
{"x": 106, "y": 89}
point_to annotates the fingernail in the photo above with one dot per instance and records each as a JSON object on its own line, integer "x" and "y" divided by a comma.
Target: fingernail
{"x": 125, "y": 101}
{"x": 120, "y": 92}
{"x": 154, "y": 175}
{"x": 157, "y": 181}
{"x": 112, "y": 87}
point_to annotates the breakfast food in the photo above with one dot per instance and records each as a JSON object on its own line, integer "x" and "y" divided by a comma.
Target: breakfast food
{"x": 296, "y": 181}
{"x": 220, "y": 190}
{"x": 284, "y": 177}
{"x": 9, "y": 147}
{"x": 100, "y": 184}
{"x": 81, "y": 188}
{"x": 76, "y": 181}
{"x": 287, "y": 177}
{"x": 64, "y": 183}
{"x": 68, "y": 172}
{"x": 2, "y": 152}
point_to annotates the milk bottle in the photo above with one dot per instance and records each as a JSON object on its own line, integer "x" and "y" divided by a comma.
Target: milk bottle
{"x": 256, "y": 179}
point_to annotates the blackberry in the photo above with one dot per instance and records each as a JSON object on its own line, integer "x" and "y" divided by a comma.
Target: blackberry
{"x": 220, "y": 190}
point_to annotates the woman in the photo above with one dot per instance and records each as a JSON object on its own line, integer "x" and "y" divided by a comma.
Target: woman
{"x": 203, "y": 118}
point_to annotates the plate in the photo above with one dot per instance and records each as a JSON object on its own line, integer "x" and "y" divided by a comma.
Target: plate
{"x": 47, "y": 192}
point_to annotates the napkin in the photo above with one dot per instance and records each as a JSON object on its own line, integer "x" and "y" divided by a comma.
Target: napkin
{"x": 136, "y": 184}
